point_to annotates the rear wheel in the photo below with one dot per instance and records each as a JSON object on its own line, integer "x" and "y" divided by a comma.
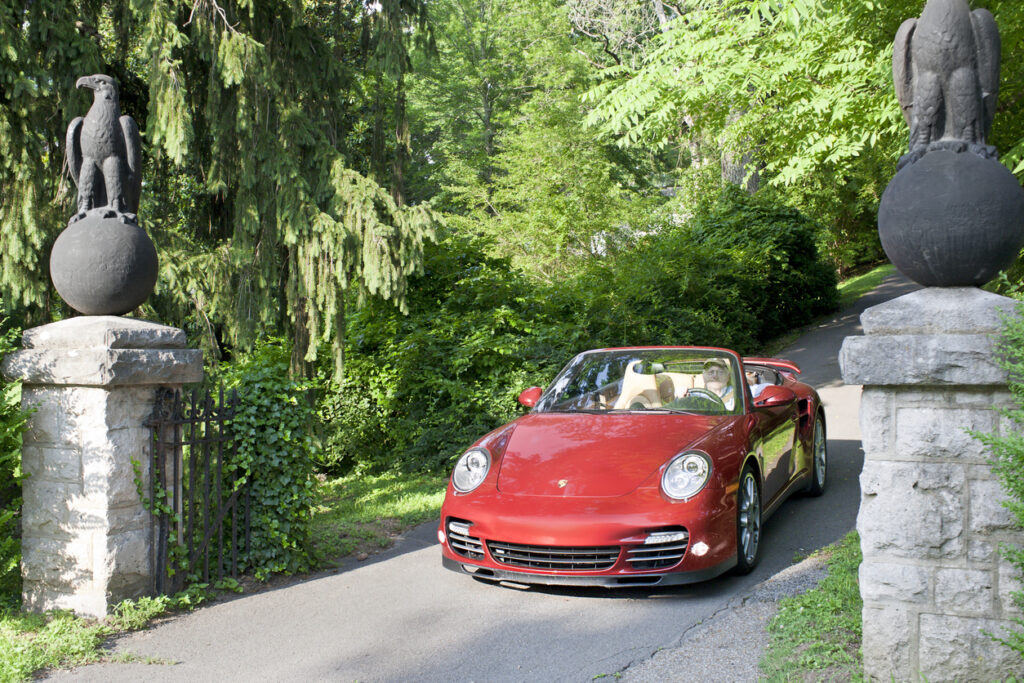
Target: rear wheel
{"x": 748, "y": 522}
{"x": 819, "y": 458}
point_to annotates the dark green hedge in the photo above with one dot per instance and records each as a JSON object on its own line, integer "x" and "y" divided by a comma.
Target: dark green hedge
{"x": 419, "y": 388}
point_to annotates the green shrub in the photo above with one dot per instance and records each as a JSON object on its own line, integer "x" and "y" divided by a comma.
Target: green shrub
{"x": 419, "y": 388}
{"x": 1008, "y": 456}
{"x": 778, "y": 272}
{"x": 741, "y": 271}
{"x": 273, "y": 449}
{"x": 669, "y": 290}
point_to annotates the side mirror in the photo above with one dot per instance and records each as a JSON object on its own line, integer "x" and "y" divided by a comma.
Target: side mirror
{"x": 530, "y": 397}
{"x": 774, "y": 397}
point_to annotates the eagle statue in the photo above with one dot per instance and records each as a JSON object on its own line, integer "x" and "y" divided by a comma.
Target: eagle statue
{"x": 105, "y": 155}
{"x": 946, "y": 69}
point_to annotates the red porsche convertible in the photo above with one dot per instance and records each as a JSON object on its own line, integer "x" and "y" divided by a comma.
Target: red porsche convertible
{"x": 637, "y": 466}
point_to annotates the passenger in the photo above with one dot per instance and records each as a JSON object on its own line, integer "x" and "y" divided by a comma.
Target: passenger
{"x": 757, "y": 385}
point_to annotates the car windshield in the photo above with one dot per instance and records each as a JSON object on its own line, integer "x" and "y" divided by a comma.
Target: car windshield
{"x": 701, "y": 381}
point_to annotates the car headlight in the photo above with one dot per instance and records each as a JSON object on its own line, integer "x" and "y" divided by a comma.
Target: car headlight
{"x": 686, "y": 475}
{"x": 471, "y": 469}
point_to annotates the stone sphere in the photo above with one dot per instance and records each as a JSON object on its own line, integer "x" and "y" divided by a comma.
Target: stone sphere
{"x": 101, "y": 266}
{"x": 952, "y": 219}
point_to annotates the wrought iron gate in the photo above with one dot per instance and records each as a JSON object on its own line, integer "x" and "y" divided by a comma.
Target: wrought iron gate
{"x": 199, "y": 499}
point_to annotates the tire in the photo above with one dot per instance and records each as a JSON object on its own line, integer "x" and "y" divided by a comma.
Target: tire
{"x": 748, "y": 522}
{"x": 819, "y": 457}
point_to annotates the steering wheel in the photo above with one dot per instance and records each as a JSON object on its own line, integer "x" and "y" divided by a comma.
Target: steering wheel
{"x": 706, "y": 394}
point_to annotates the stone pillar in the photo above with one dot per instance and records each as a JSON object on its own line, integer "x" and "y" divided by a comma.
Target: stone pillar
{"x": 86, "y": 541}
{"x": 931, "y": 518}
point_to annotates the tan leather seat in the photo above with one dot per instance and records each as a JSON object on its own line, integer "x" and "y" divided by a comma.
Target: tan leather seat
{"x": 638, "y": 388}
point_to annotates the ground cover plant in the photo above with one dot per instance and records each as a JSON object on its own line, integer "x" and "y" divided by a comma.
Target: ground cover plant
{"x": 273, "y": 452}
{"x": 33, "y": 642}
{"x": 816, "y": 636}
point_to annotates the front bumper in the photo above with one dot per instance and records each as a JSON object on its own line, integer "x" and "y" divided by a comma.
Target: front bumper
{"x": 619, "y": 581}
{"x": 617, "y": 527}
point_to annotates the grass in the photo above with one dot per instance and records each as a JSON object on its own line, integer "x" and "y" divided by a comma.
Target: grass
{"x": 31, "y": 642}
{"x": 816, "y": 636}
{"x": 364, "y": 513}
{"x": 855, "y": 287}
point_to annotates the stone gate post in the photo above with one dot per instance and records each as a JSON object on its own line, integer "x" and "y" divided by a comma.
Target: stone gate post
{"x": 86, "y": 542}
{"x": 931, "y": 518}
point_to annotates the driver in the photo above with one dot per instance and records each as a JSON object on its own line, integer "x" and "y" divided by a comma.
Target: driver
{"x": 718, "y": 379}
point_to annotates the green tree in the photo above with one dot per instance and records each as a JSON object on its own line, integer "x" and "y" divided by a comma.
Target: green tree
{"x": 804, "y": 86}
{"x": 502, "y": 124}
{"x": 252, "y": 111}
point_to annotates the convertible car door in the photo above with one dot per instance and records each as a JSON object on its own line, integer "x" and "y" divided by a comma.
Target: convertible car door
{"x": 777, "y": 432}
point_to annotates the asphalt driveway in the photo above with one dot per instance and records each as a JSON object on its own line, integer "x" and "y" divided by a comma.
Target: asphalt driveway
{"x": 401, "y": 617}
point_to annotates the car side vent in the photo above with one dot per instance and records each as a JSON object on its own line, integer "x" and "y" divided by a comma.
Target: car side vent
{"x": 461, "y": 542}
{"x": 659, "y": 555}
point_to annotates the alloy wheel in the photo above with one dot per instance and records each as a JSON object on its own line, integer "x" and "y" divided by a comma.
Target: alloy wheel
{"x": 820, "y": 458}
{"x": 749, "y": 518}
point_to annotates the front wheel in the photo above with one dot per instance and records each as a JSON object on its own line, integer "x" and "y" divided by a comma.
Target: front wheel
{"x": 748, "y": 522}
{"x": 819, "y": 458}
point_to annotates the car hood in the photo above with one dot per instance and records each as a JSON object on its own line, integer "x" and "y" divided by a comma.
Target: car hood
{"x": 596, "y": 455}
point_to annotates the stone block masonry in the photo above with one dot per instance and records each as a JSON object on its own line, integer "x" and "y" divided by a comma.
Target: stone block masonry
{"x": 931, "y": 518}
{"x": 86, "y": 537}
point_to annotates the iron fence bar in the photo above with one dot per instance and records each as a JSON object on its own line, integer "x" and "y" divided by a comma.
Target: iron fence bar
{"x": 155, "y": 535}
{"x": 190, "y": 526}
{"x": 192, "y": 444}
{"x": 207, "y": 475}
{"x": 232, "y": 400}
{"x": 217, "y": 426}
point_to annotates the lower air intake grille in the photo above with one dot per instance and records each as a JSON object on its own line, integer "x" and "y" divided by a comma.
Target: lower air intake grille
{"x": 464, "y": 544}
{"x": 657, "y": 555}
{"x": 552, "y": 557}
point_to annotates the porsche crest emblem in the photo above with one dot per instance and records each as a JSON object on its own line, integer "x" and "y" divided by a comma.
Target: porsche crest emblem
{"x": 562, "y": 483}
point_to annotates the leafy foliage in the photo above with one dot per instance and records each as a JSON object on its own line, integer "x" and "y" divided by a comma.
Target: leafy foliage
{"x": 419, "y": 389}
{"x": 252, "y": 110}
{"x": 742, "y": 270}
{"x": 503, "y": 144}
{"x": 12, "y": 422}
{"x": 803, "y": 87}
{"x": 784, "y": 282}
{"x": 1008, "y": 456}
{"x": 274, "y": 452}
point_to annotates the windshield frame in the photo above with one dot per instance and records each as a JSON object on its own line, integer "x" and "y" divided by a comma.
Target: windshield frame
{"x": 546, "y": 402}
